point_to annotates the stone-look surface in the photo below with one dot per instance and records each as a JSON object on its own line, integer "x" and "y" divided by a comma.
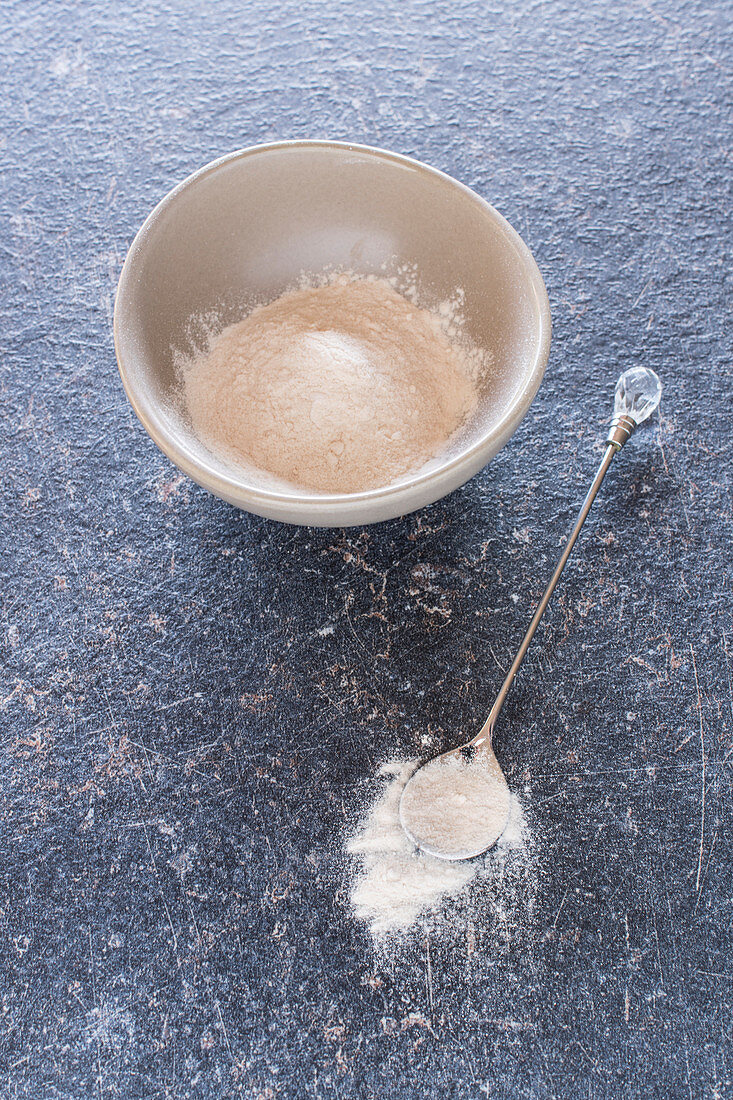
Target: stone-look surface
{"x": 192, "y": 699}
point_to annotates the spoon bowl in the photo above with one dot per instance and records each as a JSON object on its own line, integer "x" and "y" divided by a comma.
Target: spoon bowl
{"x": 457, "y": 805}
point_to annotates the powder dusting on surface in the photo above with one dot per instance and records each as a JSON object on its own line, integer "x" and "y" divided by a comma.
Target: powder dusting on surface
{"x": 395, "y": 883}
{"x": 336, "y": 388}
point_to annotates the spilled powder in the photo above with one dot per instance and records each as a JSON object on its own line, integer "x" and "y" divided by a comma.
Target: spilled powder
{"x": 396, "y": 883}
{"x": 335, "y": 388}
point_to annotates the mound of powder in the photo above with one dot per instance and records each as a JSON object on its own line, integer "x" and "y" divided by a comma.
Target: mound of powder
{"x": 397, "y": 882}
{"x": 336, "y": 388}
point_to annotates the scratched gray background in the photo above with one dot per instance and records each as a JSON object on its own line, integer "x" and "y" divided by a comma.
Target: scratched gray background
{"x": 186, "y": 738}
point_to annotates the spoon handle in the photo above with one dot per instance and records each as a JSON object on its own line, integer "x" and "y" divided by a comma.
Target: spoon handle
{"x": 616, "y": 440}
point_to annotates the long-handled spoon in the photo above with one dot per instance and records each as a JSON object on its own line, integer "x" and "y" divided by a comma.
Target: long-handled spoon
{"x": 457, "y": 805}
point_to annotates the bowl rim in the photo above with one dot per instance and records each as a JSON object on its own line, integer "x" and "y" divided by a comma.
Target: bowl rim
{"x": 237, "y": 490}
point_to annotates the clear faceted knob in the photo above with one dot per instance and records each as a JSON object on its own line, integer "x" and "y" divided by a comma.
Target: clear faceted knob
{"x": 638, "y": 391}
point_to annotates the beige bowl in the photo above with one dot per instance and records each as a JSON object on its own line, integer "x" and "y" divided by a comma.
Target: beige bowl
{"x": 246, "y": 227}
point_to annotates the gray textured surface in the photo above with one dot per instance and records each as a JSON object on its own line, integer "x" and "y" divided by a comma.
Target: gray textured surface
{"x": 172, "y": 890}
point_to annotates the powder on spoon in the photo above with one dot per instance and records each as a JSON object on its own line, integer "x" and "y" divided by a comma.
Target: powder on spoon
{"x": 455, "y": 807}
{"x": 396, "y": 882}
{"x": 336, "y": 388}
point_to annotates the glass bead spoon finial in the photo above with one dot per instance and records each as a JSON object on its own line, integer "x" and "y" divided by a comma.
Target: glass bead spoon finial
{"x": 456, "y": 806}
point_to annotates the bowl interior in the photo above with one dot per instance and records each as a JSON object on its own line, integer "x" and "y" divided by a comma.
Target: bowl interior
{"x": 248, "y": 227}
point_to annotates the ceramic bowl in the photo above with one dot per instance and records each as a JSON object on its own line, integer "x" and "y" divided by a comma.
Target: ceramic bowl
{"x": 247, "y": 227}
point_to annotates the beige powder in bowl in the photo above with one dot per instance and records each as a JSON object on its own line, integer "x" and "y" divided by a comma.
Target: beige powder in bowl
{"x": 336, "y": 388}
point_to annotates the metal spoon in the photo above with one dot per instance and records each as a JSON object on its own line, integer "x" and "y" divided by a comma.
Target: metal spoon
{"x": 438, "y": 804}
